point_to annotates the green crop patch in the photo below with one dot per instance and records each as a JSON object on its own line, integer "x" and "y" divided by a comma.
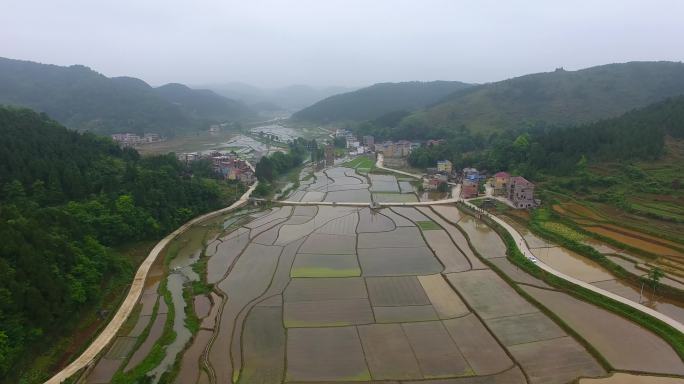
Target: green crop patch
{"x": 428, "y": 225}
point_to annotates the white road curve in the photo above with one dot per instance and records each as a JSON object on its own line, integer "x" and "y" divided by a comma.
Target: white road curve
{"x": 522, "y": 245}
{"x": 107, "y": 335}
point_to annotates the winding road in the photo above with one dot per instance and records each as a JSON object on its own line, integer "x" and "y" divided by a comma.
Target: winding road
{"x": 90, "y": 355}
{"x": 109, "y": 333}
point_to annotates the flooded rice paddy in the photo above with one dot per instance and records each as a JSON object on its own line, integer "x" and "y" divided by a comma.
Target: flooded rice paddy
{"x": 349, "y": 294}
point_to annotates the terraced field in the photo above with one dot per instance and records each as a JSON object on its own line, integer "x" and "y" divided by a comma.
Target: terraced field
{"x": 315, "y": 294}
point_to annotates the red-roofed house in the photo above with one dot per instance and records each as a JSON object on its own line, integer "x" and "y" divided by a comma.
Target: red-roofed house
{"x": 520, "y": 192}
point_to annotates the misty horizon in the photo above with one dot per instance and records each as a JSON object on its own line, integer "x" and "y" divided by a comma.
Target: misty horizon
{"x": 350, "y": 44}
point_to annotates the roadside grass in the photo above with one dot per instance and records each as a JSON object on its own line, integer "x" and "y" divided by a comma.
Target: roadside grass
{"x": 668, "y": 333}
{"x": 428, "y": 225}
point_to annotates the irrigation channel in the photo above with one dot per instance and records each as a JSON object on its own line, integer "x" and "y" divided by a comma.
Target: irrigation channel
{"x": 353, "y": 278}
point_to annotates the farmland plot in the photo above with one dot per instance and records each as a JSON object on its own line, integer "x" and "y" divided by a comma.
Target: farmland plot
{"x": 372, "y": 221}
{"x": 344, "y": 294}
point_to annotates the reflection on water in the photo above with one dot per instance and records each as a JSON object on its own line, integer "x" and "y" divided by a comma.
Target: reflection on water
{"x": 572, "y": 264}
{"x": 484, "y": 239}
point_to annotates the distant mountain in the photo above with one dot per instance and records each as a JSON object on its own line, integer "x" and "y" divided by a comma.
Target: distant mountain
{"x": 291, "y": 98}
{"x": 379, "y": 99}
{"x": 201, "y": 103}
{"x": 83, "y": 99}
{"x": 560, "y": 97}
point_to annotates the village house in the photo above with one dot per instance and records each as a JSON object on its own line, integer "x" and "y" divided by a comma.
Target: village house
{"x": 500, "y": 183}
{"x": 188, "y": 157}
{"x": 470, "y": 188}
{"x": 232, "y": 168}
{"x": 471, "y": 173}
{"x": 520, "y": 192}
{"x": 386, "y": 147}
{"x": 369, "y": 141}
{"x": 432, "y": 182}
{"x": 444, "y": 166}
{"x": 402, "y": 148}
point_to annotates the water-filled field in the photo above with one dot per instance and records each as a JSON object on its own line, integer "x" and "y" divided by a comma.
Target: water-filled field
{"x": 351, "y": 294}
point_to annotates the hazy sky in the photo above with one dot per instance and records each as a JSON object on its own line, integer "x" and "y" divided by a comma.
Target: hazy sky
{"x": 322, "y": 42}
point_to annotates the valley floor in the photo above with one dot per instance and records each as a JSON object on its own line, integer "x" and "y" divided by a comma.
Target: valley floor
{"x": 338, "y": 294}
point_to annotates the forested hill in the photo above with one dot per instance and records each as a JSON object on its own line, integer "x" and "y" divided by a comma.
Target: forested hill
{"x": 83, "y": 99}
{"x": 379, "y": 99}
{"x": 65, "y": 198}
{"x": 202, "y": 103}
{"x": 560, "y": 97}
{"x": 636, "y": 135}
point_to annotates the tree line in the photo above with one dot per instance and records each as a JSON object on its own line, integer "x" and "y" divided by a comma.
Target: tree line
{"x": 66, "y": 198}
{"x": 636, "y": 135}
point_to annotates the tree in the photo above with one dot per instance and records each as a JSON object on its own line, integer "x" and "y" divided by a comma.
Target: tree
{"x": 654, "y": 276}
{"x": 340, "y": 142}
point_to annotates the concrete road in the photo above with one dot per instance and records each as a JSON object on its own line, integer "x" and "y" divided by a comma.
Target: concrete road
{"x": 90, "y": 355}
{"x": 522, "y": 245}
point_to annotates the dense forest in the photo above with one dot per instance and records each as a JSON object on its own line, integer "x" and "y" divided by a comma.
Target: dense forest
{"x": 65, "y": 199}
{"x": 636, "y": 135}
{"x": 83, "y": 99}
{"x": 379, "y": 99}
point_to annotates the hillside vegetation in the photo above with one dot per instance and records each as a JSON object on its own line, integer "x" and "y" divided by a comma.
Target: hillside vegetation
{"x": 559, "y": 98}
{"x": 65, "y": 199}
{"x": 636, "y": 135}
{"x": 377, "y": 100}
{"x": 83, "y": 99}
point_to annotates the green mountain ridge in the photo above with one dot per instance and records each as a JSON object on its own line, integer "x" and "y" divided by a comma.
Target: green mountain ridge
{"x": 83, "y": 99}
{"x": 560, "y": 97}
{"x": 379, "y": 99}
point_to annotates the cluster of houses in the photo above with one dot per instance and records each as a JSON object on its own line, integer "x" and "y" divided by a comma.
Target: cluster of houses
{"x": 226, "y": 165}
{"x": 354, "y": 145}
{"x": 401, "y": 148}
{"x": 389, "y": 149}
{"x": 470, "y": 182}
{"x": 516, "y": 189}
{"x": 439, "y": 175}
{"x": 132, "y": 140}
